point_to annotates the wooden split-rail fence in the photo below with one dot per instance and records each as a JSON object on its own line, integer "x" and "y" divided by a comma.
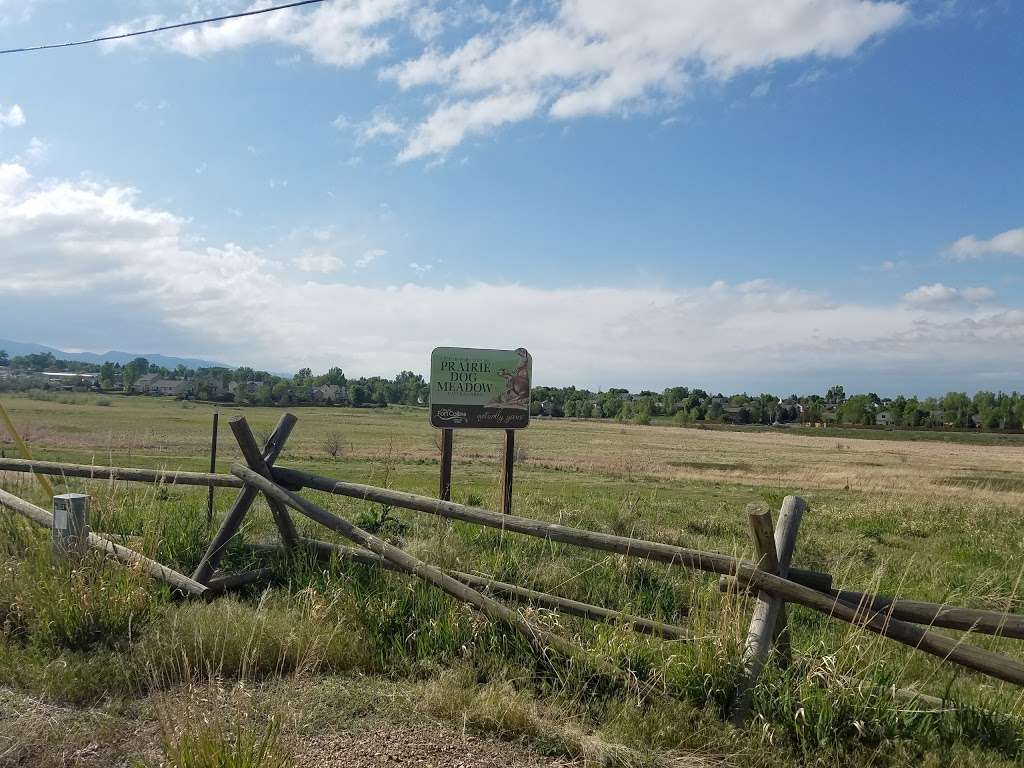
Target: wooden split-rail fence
{"x": 770, "y": 579}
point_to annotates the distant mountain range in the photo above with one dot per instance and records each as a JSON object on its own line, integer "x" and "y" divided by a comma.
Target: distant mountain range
{"x": 15, "y": 348}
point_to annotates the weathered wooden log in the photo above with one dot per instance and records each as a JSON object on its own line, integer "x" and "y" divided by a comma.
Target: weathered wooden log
{"x": 972, "y": 657}
{"x": 540, "y": 640}
{"x": 928, "y": 614}
{"x": 219, "y": 584}
{"x": 131, "y": 474}
{"x": 123, "y": 555}
{"x": 638, "y": 624}
{"x": 233, "y": 520}
{"x": 254, "y": 458}
{"x": 649, "y": 550}
{"x": 774, "y": 550}
{"x": 938, "y": 614}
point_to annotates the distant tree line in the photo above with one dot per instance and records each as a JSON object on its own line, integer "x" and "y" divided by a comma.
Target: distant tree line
{"x": 984, "y": 410}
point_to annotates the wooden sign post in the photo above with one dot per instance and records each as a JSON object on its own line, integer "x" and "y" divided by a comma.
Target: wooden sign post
{"x": 447, "y": 441}
{"x": 480, "y": 389}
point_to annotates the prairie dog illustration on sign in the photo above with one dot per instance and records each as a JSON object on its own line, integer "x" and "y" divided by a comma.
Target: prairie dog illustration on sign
{"x": 517, "y": 383}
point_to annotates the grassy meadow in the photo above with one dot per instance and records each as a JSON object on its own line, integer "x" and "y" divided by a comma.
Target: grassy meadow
{"x": 344, "y": 648}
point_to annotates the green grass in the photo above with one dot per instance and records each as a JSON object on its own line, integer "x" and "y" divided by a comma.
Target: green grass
{"x": 97, "y": 632}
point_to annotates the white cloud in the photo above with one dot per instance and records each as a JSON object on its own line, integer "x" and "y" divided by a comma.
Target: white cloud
{"x": 12, "y": 176}
{"x": 605, "y": 56}
{"x": 369, "y": 257}
{"x": 323, "y": 263}
{"x": 12, "y": 118}
{"x": 560, "y": 58}
{"x": 343, "y": 33}
{"x": 36, "y": 150}
{"x": 937, "y": 293}
{"x": 380, "y": 125}
{"x": 92, "y": 250}
{"x": 16, "y": 11}
{"x": 450, "y": 124}
{"x": 1008, "y": 243}
{"x": 426, "y": 23}
{"x": 761, "y": 90}
{"x": 978, "y": 293}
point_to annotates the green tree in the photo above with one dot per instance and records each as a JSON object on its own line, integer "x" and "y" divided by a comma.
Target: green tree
{"x": 107, "y": 375}
{"x": 129, "y": 375}
{"x": 4, "y": 358}
{"x": 835, "y": 395}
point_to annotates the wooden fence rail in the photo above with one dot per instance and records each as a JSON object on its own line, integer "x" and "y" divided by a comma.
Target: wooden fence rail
{"x": 972, "y": 657}
{"x": 326, "y": 550}
{"x": 807, "y": 588}
{"x": 125, "y": 556}
{"x": 131, "y": 474}
{"x": 607, "y": 542}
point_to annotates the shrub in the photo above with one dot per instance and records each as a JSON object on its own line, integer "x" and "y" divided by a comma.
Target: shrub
{"x": 333, "y": 444}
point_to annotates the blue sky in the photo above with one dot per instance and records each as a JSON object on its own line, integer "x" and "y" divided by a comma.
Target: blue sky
{"x": 736, "y": 194}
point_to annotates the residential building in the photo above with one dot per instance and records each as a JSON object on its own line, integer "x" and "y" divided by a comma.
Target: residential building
{"x": 171, "y": 387}
{"x": 144, "y": 382}
{"x": 329, "y": 393}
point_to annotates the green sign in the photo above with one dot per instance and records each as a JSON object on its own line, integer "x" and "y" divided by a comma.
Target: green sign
{"x": 480, "y": 388}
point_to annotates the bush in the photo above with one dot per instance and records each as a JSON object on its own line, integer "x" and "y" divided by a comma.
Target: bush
{"x": 333, "y": 444}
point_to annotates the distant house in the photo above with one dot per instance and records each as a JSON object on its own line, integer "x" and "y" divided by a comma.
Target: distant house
{"x": 71, "y": 380}
{"x": 212, "y": 385}
{"x": 329, "y": 393}
{"x": 171, "y": 387}
{"x": 144, "y": 382}
{"x": 884, "y": 419}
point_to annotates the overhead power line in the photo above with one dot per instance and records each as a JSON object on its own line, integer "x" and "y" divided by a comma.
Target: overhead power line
{"x": 164, "y": 28}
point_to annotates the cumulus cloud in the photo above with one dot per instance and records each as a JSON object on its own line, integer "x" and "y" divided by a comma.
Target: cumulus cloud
{"x": 1008, "y": 243}
{"x": 343, "y": 33}
{"x": 323, "y": 263}
{"x": 937, "y": 293}
{"x": 562, "y": 59}
{"x": 596, "y": 57}
{"x": 12, "y": 118}
{"x": 450, "y": 124}
{"x": 100, "y": 251}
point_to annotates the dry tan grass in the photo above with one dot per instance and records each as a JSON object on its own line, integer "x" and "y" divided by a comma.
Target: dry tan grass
{"x": 149, "y": 430}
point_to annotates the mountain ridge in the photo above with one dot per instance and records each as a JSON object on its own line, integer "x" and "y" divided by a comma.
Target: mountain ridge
{"x": 15, "y": 348}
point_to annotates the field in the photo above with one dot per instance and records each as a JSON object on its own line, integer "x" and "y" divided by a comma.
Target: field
{"x": 321, "y": 662}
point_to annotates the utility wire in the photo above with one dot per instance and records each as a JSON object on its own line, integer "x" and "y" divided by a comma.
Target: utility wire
{"x": 160, "y": 29}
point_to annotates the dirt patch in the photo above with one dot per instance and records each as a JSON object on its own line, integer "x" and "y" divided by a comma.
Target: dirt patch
{"x": 422, "y": 745}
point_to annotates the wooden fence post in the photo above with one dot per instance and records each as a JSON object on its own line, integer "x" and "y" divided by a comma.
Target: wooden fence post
{"x": 447, "y": 440}
{"x": 507, "y": 469}
{"x": 70, "y": 529}
{"x": 213, "y": 468}
{"x": 774, "y": 553}
{"x": 233, "y": 521}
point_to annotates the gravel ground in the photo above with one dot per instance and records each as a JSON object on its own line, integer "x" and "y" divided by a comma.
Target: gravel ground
{"x": 423, "y": 746}
{"x": 43, "y": 735}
